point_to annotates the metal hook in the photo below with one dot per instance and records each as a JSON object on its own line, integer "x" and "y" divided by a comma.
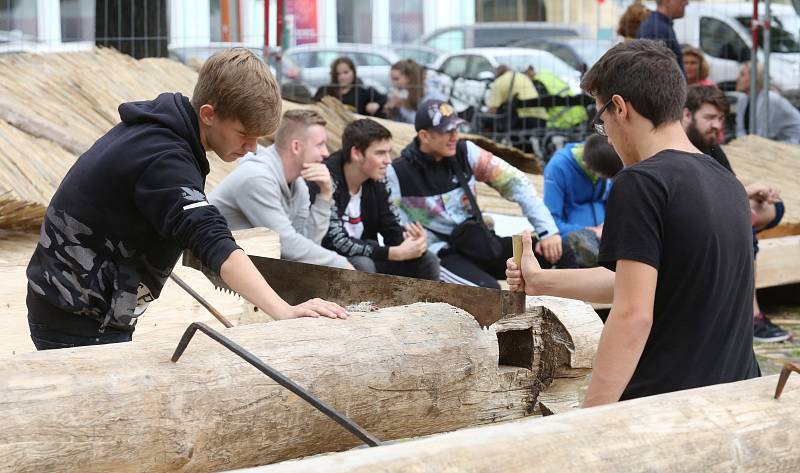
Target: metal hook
{"x": 788, "y": 367}
{"x": 276, "y": 376}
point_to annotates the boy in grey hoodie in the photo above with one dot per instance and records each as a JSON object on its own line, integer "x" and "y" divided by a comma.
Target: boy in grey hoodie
{"x": 268, "y": 189}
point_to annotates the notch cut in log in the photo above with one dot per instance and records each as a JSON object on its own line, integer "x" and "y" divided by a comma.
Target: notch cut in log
{"x": 399, "y": 372}
{"x": 729, "y": 427}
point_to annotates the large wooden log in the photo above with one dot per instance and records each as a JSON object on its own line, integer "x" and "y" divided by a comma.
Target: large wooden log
{"x": 733, "y": 427}
{"x": 399, "y": 372}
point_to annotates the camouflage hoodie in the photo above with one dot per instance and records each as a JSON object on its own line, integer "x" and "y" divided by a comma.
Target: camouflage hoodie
{"x": 124, "y": 212}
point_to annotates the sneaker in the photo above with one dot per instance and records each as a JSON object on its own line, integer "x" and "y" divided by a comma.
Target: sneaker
{"x": 766, "y": 332}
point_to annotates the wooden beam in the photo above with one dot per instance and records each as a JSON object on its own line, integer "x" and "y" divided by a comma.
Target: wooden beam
{"x": 399, "y": 372}
{"x": 731, "y": 427}
{"x": 778, "y": 261}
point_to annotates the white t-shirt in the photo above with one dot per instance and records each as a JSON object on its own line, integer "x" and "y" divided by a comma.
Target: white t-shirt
{"x": 352, "y": 216}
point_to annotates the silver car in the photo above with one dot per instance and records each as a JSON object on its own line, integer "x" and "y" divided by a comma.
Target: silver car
{"x": 372, "y": 63}
{"x": 465, "y": 75}
{"x": 495, "y": 34}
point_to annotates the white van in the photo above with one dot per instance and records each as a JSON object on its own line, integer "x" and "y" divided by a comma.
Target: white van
{"x": 722, "y": 32}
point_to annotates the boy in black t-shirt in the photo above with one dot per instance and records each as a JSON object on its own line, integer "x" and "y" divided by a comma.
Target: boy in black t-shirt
{"x": 675, "y": 264}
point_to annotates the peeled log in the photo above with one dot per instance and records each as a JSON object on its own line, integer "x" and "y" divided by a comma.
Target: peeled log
{"x": 730, "y": 427}
{"x": 399, "y": 372}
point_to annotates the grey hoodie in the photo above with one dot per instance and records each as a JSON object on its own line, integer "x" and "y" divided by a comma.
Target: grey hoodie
{"x": 255, "y": 194}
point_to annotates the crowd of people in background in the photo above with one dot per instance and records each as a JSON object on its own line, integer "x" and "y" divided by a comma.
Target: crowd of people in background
{"x": 645, "y": 212}
{"x": 427, "y": 205}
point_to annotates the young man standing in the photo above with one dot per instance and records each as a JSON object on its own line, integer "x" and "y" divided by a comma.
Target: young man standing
{"x": 658, "y": 26}
{"x": 361, "y": 209}
{"x": 268, "y": 189}
{"x": 703, "y": 119}
{"x": 131, "y": 203}
{"x": 677, "y": 266}
{"x": 429, "y": 184}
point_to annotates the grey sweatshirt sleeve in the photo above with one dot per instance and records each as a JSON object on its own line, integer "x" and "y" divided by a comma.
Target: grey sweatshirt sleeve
{"x": 313, "y": 220}
{"x": 260, "y": 201}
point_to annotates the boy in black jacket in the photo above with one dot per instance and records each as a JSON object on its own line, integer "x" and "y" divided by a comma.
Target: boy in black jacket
{"x": 131, "y": 203}
{"x": 360, "y": 209}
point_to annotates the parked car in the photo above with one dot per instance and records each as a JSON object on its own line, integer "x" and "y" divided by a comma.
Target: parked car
{"x": 422, "y": 54}
{"x": 372, "y": 63}
{"x": 495, "y": 34}
{"x": 580, "y": 53}
{"x": 195, "y": 56}
{"x": 465, "y": 75}
{"x": 722, "y": 32}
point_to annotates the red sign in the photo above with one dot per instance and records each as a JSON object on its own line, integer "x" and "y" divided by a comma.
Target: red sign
{"x": 305, "y": 19}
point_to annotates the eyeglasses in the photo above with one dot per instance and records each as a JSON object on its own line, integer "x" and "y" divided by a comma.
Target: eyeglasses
{"x": 597, "y": 122}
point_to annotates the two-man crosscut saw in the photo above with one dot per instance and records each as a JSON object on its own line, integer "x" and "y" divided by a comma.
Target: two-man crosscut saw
{"x": 298, "y": 282}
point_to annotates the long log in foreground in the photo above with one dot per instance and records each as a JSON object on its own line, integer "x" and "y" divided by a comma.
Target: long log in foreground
{"x": 734, "y": 427}
{"x": 399, "y": 372}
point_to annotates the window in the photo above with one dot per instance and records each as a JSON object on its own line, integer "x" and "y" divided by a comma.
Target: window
{"x": 303, "y": 59}
{"x": 354, "y": 21}
{"x": 406, "y": 20}
{"x": 510, "y": 10}
{"x": 77, "y": 20}
{"x": 369, "y": 59}
{"x": 326, "y": 58}
{"x": 447, "y": 41}
{"x": 719, "y": 40}
{"x": 477, "y": 65}
{"x": 456, "y": 66}
{"x": 782, "y": 33}
{"x": 17, "y": 20}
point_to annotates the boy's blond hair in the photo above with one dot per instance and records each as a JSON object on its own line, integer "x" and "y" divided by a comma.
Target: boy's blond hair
{"x": 294, "y": 123}
{"x": 240, "y": 87}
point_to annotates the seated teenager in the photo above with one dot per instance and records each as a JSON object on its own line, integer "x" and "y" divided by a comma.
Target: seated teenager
{"x": 433, "y": 183}
{"x": 361, "y": 209}
{"x": 411, "y": 86}
{"x": 269, "y": 189}
{"x": 703, "y": 118}
{"x": 577, "y": 180}
{"x": 347, "y": 87}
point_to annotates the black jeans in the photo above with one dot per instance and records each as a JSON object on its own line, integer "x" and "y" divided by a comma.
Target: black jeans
{"x": 52, "y": 328}
{"x": 45, "y": 338}
{"x": 425, "y": 267}
{"x": 456, "y": 268}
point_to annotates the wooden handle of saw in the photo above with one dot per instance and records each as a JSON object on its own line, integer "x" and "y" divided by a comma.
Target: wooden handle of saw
{"x": 516, "y": 243}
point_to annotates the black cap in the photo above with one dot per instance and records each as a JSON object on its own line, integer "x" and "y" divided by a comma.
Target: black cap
{"x": 438, "y": 116}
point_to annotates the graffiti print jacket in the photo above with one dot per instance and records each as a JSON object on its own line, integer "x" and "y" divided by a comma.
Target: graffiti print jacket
{"x": 427, "y": 191}
{"x": 124, "y": 212}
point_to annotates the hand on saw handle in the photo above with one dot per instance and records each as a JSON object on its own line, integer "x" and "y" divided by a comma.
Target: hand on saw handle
{"x": 517, "y": 278}
{"x": 241, "y": 275}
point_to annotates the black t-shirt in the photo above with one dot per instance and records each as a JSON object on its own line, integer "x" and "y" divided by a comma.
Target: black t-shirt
{"x": 720, "y": 157}
{"x": 689, "y": 218}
